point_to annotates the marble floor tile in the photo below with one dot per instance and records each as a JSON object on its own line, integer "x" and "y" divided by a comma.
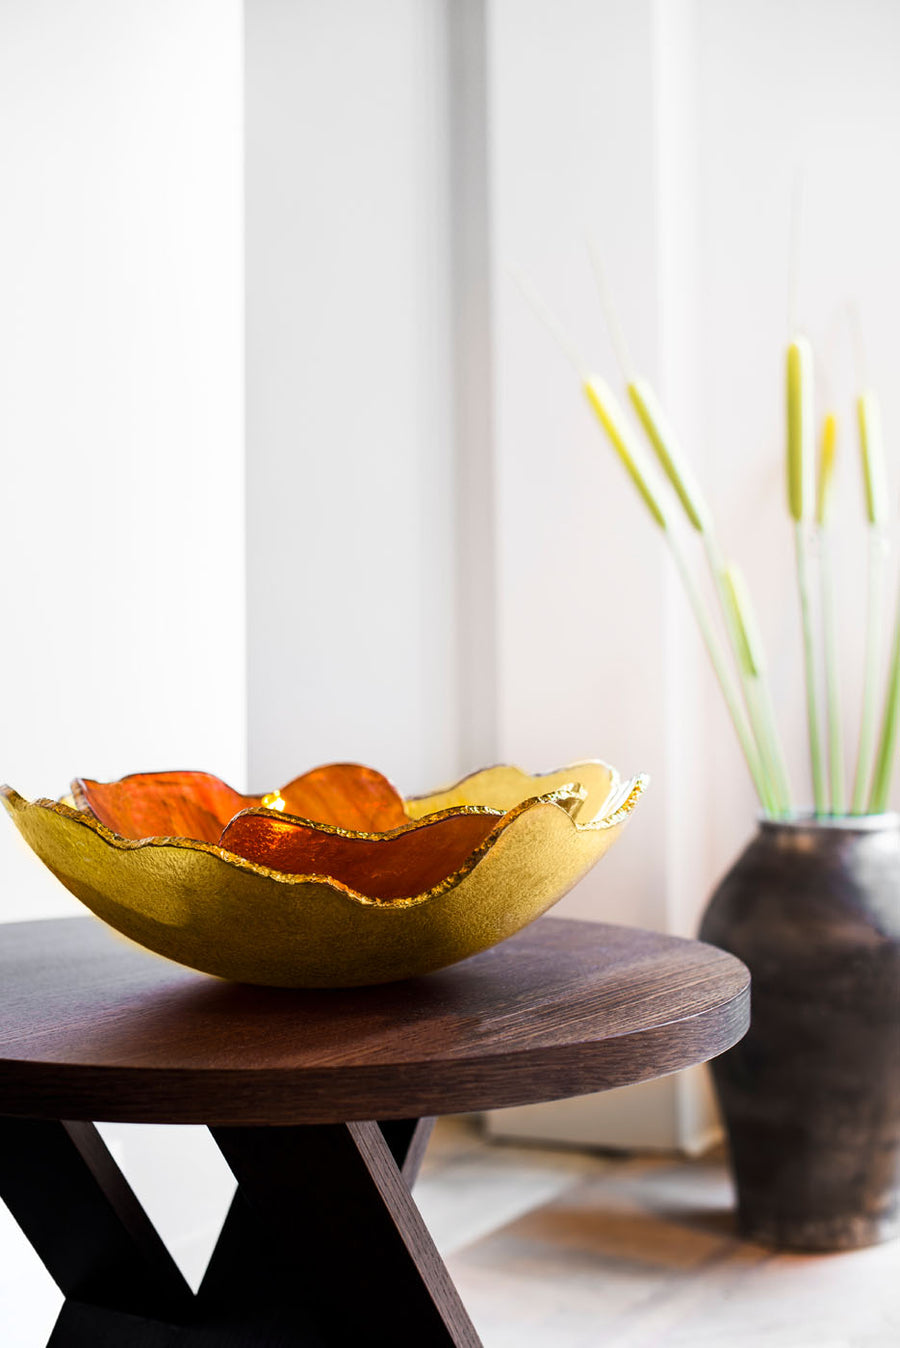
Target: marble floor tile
{"x": 642, "y": 1253}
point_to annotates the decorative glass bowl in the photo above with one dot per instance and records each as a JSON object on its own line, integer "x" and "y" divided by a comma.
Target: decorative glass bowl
{"x": 333, "y": 881}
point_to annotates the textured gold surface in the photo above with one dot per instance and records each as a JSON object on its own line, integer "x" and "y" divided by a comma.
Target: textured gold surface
{"x": 204, "y": 907}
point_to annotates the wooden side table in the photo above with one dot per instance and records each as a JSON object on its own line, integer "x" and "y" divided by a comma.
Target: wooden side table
{"x": 321, "y": 1103}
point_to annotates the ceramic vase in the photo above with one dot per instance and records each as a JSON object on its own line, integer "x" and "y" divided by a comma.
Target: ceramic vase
{"x": 811, "y": 1096}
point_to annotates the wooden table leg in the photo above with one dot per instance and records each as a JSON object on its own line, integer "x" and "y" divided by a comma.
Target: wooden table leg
{"x": 323, "y": 1246}
{"x": 75, "y": 1206}
{"x": 328, "y": 1203}
{"x": 251, "y": 1284}
{"x": 249, "y": 1293}
{"x": 407, "y": 1140}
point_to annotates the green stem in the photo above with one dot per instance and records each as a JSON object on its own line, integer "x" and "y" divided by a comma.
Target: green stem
{"x": 832, "y": 679}
{"x": 776, "y": 752}
{"x": 720, "y": 668}
{"x": 884, "y": 766}
{"x": 755, "y": 689}
{"x": 874, "y": 601}
{"x": 753, "y": 694}
{"x": 752, "y": 701}
{"x": 809, "y": 663}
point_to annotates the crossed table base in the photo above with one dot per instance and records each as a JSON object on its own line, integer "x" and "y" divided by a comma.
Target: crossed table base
{"x": 323, "y": 1246}
{"x": 323, "y": 1243}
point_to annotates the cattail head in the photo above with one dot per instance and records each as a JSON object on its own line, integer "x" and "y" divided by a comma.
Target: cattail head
{"x": 611, "y": 418}
{"x": 750, "y": 648}
{"x": 669, "y": 453}
{"x": 868, "y": 413}
{"x": 800, "y": 428}
{"x": 825, "y": 479}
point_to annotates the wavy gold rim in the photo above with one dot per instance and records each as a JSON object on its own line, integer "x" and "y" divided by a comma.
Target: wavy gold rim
{"x": 568, "y": 794}
{"x": 615, "y": 780}
{"x": 572, "y": 789}
{"x": 260, "y": 812}
{"x": 556, "y": 798}
{"x": 630, "y": 793}
{"x": 78, "y": 802}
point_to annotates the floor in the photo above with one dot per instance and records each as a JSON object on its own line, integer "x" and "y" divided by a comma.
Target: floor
{"x": 554, "y": 1249}
{"x": 550, "y": 1249}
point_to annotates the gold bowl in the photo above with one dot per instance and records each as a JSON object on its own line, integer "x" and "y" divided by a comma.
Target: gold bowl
{"x": 333, "y": 881}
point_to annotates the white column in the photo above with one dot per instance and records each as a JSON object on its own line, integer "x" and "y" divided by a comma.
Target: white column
{"x": 592, "y": 131}
{"x": 350, "y": 465}
{"x": 472, "y": 362}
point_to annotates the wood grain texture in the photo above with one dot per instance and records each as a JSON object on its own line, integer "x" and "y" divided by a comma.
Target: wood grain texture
{"x": 407, "y": 1140}
{"x": 93, "y": 1028}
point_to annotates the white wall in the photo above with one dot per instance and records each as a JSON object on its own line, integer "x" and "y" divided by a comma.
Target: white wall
{"x": 672, "y": 128}
{"x": 675, "y": 129}
{"x": 579, "y": 673}
{"x": 592, "y": 133}
{"x": 121, "y": 391}
{"x": 121, "y": 509}
{"x": 826, "y": 95}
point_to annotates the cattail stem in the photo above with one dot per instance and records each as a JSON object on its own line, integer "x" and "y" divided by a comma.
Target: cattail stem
{"x": 884, "y": 764}
{"x": 824, "y": 493}
{"x": 760, "y": 713}
{"x": 776, "y": 749}
{"x": 878, "y": 512}
{"x": 877, "y": 552}
{"x": 678, "y": 471}
{"x": 722, "y": 673}
{"x": 832, "y": 678}
{"x": 809, "y": 664}
{"x": 610, "y": 416}
{"x": 545, "y": 315}
{"x": 754, "y": 686}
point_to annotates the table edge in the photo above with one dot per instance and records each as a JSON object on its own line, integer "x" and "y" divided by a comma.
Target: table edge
{"x": 231, "y": 1097}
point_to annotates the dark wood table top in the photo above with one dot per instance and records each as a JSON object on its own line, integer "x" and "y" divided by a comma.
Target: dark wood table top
{"x": 92, "y": 1027}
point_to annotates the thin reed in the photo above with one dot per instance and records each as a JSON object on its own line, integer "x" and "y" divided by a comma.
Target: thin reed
{"x": 668, "y": 487}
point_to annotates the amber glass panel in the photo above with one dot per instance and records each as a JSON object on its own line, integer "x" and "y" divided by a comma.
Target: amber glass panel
{"x": 346, "y": 795}
{"x": 199, "y": 805}
{"x": 163, "y": 804}
{"x": 389, "y": 868}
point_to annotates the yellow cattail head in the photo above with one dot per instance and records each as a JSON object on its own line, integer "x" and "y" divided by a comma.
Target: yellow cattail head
{"x": 825, "y": 480}
{"x": 868, "y": 413}
{"x": 669, "y": 453}
{"x": 611, "y": 418}
{"x": 750, "y": 648}
{"x": 800, "y": 428}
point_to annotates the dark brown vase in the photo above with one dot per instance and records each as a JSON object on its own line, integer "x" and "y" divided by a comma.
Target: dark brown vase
{"x": 811, "y": 1096}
